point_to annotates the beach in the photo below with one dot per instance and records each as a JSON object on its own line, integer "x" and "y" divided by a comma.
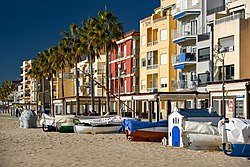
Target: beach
{"x": 33, "y": 147}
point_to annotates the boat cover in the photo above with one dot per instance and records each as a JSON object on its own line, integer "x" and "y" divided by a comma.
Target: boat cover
{"x": 238, "y": 130}
{"x": 200, "y": 127}
{"x": 28, "y": 119}
{"x": 47, "y": 120}
{"x": 133, "y": 125}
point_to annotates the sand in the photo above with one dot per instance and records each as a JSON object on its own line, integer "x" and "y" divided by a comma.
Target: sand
{"x": 35, "y": 148}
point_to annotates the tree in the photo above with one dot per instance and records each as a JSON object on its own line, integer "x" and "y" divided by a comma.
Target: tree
{"x": 91, "y": 42}
{"x": 109, "y": 30}
{"x": 75, "y": 52}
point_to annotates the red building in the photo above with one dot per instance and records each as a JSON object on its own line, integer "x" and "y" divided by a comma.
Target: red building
{"x": 125, "y": 60}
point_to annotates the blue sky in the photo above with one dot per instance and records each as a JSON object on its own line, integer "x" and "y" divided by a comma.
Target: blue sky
{"x": 30, "y": 26}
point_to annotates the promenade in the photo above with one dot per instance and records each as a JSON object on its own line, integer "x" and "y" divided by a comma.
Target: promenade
{"x": 35, "y": 148}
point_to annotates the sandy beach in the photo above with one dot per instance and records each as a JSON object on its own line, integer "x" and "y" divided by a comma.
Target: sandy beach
{"x": 33, "y": 147}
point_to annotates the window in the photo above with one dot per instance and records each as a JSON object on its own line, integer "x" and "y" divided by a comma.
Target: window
{"x": 239, "y": 108}
{"x": 228, "y": 71}
{"x": 203, "y": 79}
{"x": 164, "y": 58}
{"x": 150, "y": 58}
{"x": 164, "y": 82}
{"x": 143, "y": 40}
{"x": 143, "y": 62}
{"x": 193, "y": 27}
{"x": 227, "y": 43}
{"x": 164, "y": 35}
{"x": 124, "y": 50}
{"x": 143, "y": 85}
{"x": 203, "y": 54}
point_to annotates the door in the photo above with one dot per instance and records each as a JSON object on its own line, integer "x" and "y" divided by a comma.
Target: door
{"x": 176, "y": 136}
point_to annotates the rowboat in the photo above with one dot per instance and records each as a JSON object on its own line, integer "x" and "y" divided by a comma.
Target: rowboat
{"x": 154, "y": 134}
{"x": 97, "y": 128}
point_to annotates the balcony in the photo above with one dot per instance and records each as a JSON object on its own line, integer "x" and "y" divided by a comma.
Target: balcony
{"x": 135, "y": 70}
{"x": 229, "y": 18}
{"x": 149, "y": 44}
{"x": 136, "y": 88}
{"x": 153, "y": 66}
{"x": 153, "y": 89}
{"x": 100, "y": 71}
{"x": 119, "y": 55}
{"x": 182, "y": 36}
{"x": 186, "y": 8}
{"x": 184, "y": 59}
{"x": 184, "y": 85}
{"x": 135, "y": 51}
{"x": 204, "y": 37}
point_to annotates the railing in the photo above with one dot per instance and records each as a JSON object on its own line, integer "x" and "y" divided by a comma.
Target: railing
{"x": 230, "y": 18}
{"x": 184, "y": 57}
{"x": 135, "y": 70}
{"x": 181, "y": 33}
{"x": 136, "y": 88}
{"x": 155, "y": 42}
{"x": 135, "y": 51}
{"x": 152, "y": 66}
{"x": 186, "y": 4}
{"x": 153, "y": 89}
{"x": 203, "y": 37}
{"x": 184, "y": 84}
{"x": 160, "y": 19}
{"x": 149, "y": 44}
{"x": 100, "y": 71}
{"x": 119, "y": 55}
{"x": 146, "y": 19}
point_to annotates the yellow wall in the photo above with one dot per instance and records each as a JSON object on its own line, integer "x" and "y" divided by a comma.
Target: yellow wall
{"x": 68, "y": 87}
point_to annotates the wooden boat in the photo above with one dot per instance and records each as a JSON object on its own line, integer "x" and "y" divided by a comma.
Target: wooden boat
{"x": 94, "y": 129}
{"x": 67, "y": 127}
{"x": 153, "y": 134}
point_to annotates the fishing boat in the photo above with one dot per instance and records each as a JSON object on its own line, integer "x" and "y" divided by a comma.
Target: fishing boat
{"x": 144, "y": 131}
{"x": 97, "y": 128}
{"x": 154, "y": 134}
{"x": 235, "y": 134}
{"x": 67, "y": 127}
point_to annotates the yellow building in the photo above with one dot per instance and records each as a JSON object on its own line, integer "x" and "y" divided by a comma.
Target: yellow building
{"x": 156, "y": 51}
{"x": 156, "y": 70}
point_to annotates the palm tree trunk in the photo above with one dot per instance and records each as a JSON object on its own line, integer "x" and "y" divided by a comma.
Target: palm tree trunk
{"x": 92, "y": 85}
{"x": 52, "y": 96}
{"x": 37, "y": 97}
{"x": 77, "y": 90}
{"x": 43, "y": 84}
{"x": 63, "y": 93}
{"x": 107, "y": 81}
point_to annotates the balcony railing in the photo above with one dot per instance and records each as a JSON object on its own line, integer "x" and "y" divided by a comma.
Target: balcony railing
{"x": 136, "y": 88}
{"x": 185, "y": 5}
{"x": 154, "y": 66}
{"x": 184, "y": 84}
{"x": 119, "y": 55}
{"x": 160, "y": 19}
{"x": 135, "y": 51}
{"x": 153, "y": 89}
{"x": 149, "y": 44}
{"x": 100, "y": 71}
{"x": 184, "y": 57}
{"x": 155, "y": 42}
{"x": 203, "y": 37}
{"x": 229, "y": 18}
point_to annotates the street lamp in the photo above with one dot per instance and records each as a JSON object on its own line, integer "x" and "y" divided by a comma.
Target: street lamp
{"x": 119, "y": 77}
{"x": 221, "y": 50}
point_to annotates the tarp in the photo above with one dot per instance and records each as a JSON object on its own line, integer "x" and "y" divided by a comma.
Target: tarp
{"x": 133, "y": 125}
{"x": 238, "y": 130}
{"x": 200, "y": 127}
{"x": 47, "y": 120}
{"x": 28, "y": 119}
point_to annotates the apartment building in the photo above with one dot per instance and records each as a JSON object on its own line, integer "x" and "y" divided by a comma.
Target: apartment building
{"x": 231, "y": 32}
{"x": 124, "y": 68}
{"x": 28, "y": 92}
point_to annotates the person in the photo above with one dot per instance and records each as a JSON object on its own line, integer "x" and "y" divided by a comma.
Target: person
{"x": 17, "y": 112}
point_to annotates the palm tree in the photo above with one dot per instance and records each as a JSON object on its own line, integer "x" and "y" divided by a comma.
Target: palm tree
{"x": 75, "y": 53}
{"x": 109, "y": 30}
{"x": 7, "y": 88}
{"x": 91, "y": 41}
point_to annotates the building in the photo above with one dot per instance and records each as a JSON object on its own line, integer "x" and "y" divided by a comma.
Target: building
{"x": 124, "y": 68}
{"x": 231, "y": 32}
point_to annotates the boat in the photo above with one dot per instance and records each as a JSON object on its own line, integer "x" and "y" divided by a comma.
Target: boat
{"x": 235, "y": 134}
{"x": 67, "y": 127}
{"x": 97, "y": 128}
{"x": 144, "y": 131}
{"x": 154, "y": 134}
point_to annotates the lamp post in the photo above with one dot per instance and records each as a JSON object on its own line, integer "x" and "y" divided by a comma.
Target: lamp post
{"x": 222, "y": 59}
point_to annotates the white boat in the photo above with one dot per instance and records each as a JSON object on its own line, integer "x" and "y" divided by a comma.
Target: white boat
{"x": 101, "y": 128}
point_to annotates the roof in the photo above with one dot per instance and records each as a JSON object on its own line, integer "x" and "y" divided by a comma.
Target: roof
{"x": 197, "y": 113}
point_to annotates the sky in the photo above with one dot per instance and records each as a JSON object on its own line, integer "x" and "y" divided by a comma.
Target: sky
{"x": 30, "y": 26}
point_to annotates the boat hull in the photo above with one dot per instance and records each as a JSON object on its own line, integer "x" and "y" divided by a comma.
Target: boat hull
{"x": 155, "y": 134}
{"x": 83, "y": 129}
